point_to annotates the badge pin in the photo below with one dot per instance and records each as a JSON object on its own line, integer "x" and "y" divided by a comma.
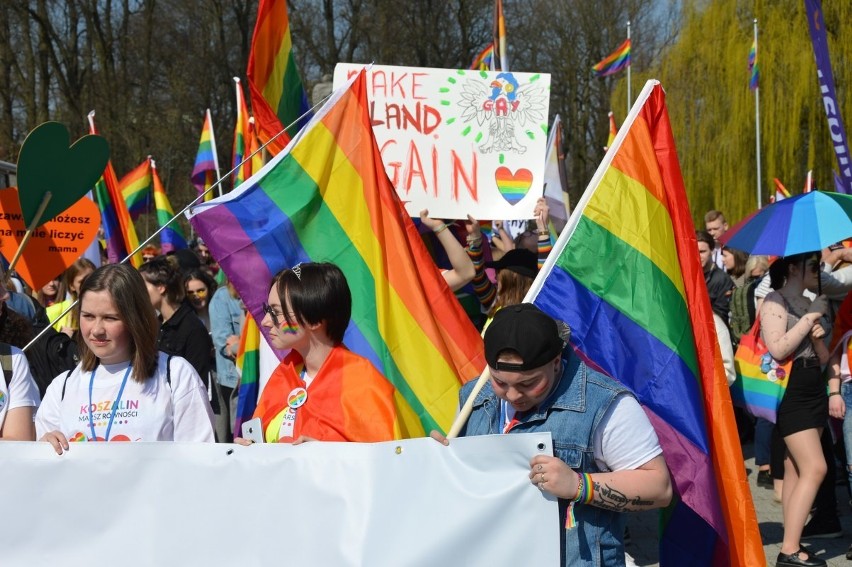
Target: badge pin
{"x": 297, "y": 398}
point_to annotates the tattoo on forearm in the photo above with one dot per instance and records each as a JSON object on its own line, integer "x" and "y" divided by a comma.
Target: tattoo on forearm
{"x": 608, "y": 498}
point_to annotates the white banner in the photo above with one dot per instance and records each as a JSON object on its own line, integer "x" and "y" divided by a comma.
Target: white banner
{"x": 413, "y": 502}
{"x": 460, "y": 142}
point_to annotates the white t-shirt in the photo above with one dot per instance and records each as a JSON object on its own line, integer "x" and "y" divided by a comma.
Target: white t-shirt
{"x": 625, "y": 438}
{"x": 22, "y": 391}
{"x": 151, "y": 411}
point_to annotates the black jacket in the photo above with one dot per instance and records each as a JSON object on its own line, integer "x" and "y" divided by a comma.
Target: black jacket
{"x": 719, "y": 287}
{"x": 185, "y": 335}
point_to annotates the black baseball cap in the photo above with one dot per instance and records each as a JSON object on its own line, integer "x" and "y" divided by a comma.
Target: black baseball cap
{"x": 528, "y": 331}
{"x": 520, "y": 260}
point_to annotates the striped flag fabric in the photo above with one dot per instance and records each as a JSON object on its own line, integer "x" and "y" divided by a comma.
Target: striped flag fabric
{"x": 136, "y": 189}
{"x": 615, "y": 61}
{"x": 241, "y": 138}
{"x": 205, "y": 172}
{"x": 502, "y": 51}
{"x": 248, "y": 366}
{"x": 256, "y": 162}
{"x": 485, "y": 60}
{"x": 555, "y": 182}
{"x": 613, "y": 130}
{"x": 328, "y": 198}
{"x": 781, "y": 192}
{"x": 119, "y": 230}
{"x": 278, "y": 97}
{"x": 652, "y": 329}
{"x": 809, "y": 182}
{"x": 172, "y": 237}
{"x": 753, "y": 68}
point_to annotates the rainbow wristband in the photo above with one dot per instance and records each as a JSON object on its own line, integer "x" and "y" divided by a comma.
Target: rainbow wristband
{"x": 590, "y": 488}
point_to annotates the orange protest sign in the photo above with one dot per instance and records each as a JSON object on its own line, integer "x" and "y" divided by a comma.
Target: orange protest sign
{"x": 54, "y": 246}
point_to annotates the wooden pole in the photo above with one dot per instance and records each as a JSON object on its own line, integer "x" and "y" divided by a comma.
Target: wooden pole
{"x": 33, "y": 225}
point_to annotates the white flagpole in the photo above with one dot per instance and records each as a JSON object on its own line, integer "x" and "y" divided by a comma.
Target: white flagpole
{"x": 628, "y": 69}
{"x": 757, "y": 117}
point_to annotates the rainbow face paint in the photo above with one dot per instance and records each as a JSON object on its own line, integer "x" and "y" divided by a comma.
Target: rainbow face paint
{"x": 290, "y": 328}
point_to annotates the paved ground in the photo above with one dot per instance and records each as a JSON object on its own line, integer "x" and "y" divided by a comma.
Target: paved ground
{"x": 643, "y": 528}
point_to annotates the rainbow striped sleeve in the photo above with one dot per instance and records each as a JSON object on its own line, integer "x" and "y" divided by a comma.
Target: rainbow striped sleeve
{"x": 277, "y": 95}
{"x": 615, "y": 61}
{"x": 643, "y": 316}
{"x": 136, "y": 189}
{"x": 328, "y": 199}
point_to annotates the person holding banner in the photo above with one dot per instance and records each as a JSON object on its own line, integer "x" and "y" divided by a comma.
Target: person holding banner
{"x": 320, "y": 390}
{"x": 123, "y": 389}
{"x": 607, "y": 458}
{"x": 18, "y": 396}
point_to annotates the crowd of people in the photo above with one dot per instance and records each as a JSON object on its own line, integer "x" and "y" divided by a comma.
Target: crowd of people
{"x": 149, "y": 354}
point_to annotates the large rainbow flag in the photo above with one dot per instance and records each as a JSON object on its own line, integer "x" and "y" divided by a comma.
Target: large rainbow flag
{"x": 615, "y": 61}
{"x": 277, "y": 95}
{"x": 205, "y": 172}
{"x": 136, "y": 188}
{"x": 327, "y": 198}
{"x": 643, "y": 316}
{"x": 171, "y": 237}
{"x": 119, "y": 230}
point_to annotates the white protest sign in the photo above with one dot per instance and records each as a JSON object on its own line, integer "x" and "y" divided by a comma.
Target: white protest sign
{"x": 460, "y": 142}
{"x": 413, "y": 502}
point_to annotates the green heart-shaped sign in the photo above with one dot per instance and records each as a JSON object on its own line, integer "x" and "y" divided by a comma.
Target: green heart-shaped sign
{"x": 47, "y": 163}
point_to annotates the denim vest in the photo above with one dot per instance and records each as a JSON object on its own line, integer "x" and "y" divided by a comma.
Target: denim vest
{"x": 571, "y": 414}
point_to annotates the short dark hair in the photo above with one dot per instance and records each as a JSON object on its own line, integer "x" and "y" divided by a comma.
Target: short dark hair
{"x": 780, "y": 268}
{"x": 160, "y": 271}
{"x": 130, "y": 297}
{"x": 318, "y": 293}
{"x": 704, "y": 236}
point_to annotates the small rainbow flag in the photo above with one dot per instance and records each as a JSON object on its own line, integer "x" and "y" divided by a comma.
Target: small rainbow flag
{"x": 205, "y": 172}
{"x": 328, "y": 198}
{"x": 171, "y": 238}
{"x": 485, "y": 60}
{"x": 652, "y": 329}
{"x": 241, "y": 138}
{"x": 613, "y": 130}
{"x": 136, "y": 189}
{"x": 781, "y": 192}
{"x": 753, "y": 67}
{"x": 118, "y": 226}
{"x": 615, "y": 61}
{"x": 256, "y": 162}
{"x": 248, "y": 365}
{"x": 277, "y": 95}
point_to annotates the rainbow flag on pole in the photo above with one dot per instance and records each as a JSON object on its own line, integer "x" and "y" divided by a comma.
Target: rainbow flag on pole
{"x": 753, "y": 68}
{"x": 242, "y": 132}
{"x": 328, "y": 198}
{"x": 171, "y": 238}
{"x": 277, "y": 95}
{"x": 205, "y": 172}
{"x": 118, "y": 226}
{"x": 615, "y": 61}
{"x": 248, "y": 365}
{"x": 136, "y": 189}
{"x": 485, "y": 60}
{"x": 652, "y": 329}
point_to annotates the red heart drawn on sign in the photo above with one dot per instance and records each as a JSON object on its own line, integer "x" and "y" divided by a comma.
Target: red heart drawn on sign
{"x": 54, "y": 246}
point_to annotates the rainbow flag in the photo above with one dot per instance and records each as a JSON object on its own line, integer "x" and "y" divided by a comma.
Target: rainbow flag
{"x": 136, "y": 189}
{"x": 781, "y": 192}
{"x": 613, "y": 130}
{"x": 277, "y": 95}
{"x": 328, "y": 198}
{"x": 485, "y": 60}
{"x": 615, "y": 61}
{"x": 118, "y": 226}
{"x": 248, "y": 365}
{"x": 241, "y": 139}
{"x": 652, "y": 329}
{"x": 171, "y": 238}
{"x": 256, "y": 162}
{"x": 205, "y": 172}
{"x": 753, "y": 67}
{"x": 499, "y": 43}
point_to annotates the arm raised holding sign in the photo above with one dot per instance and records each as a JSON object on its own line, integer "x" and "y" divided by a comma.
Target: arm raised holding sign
{"x": 462, "y": 272}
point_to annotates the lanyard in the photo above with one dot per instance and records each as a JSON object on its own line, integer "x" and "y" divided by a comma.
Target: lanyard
{"x": 114, "y": 405}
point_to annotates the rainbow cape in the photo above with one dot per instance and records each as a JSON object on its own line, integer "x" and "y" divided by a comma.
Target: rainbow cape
{"x": 248, "y": 365}
{"x": 205, "y": 172}
{"x": 643, "y": 316}
{"x": 119, "y": 231}
{"x": 327, "y": 198}
{"x": 277, "y": 95}
{"x": 172, "y": 237}
{"x": 136, "y": 187}
{"x": 615, "y": 61}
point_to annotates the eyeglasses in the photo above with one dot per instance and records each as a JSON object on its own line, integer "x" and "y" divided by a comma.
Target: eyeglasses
{"x": 272, "y": 314}
{"x": 200, "y": 293}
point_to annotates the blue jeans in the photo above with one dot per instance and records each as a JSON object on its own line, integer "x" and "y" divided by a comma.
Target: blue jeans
{"x": 763, "y": 441}
{"x": 846, "y": 392}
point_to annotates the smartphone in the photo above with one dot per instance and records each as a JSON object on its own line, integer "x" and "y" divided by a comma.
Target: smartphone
{"x": 253, "y": 430}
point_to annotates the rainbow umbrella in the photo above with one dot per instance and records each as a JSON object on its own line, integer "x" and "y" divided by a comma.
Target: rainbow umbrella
{"x": 804, "y": 223}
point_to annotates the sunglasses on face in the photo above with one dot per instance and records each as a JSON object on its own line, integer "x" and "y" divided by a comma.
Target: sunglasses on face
{"x": 273, "y": 314}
